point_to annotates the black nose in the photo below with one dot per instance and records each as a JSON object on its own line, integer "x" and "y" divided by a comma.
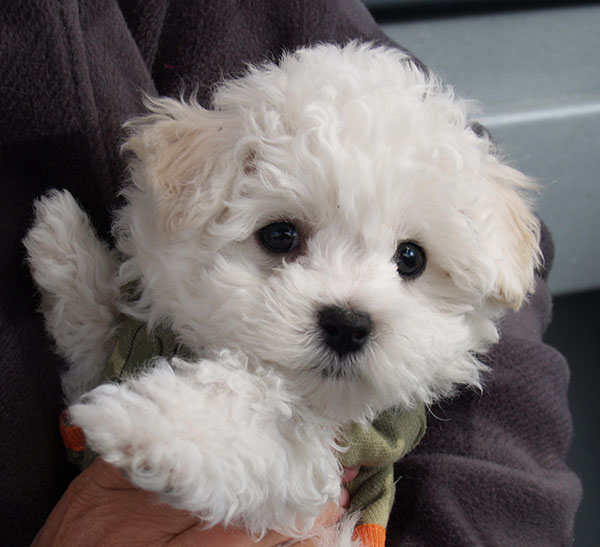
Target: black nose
{"x": 344, "y": 330}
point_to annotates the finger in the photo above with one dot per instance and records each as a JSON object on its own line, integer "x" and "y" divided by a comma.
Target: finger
{"x": 331, "y": 513}
{"x": 219, "y": 537}
{"x": 350, "y": 473}
{"x": 186, "y": 529}
{"x": 305, "y": 543}
{"x": 344, "y": 499}
{"x": 107, "y": 476}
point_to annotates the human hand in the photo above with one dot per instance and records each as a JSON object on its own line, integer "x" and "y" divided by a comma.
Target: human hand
{"x": 102, "y": 508}
{"x": 332, "y": 512}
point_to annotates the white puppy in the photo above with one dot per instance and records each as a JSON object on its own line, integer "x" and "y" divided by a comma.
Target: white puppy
{"x": 330, "y": 240}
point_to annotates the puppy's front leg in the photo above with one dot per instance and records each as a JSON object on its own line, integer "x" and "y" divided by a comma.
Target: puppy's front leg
{"x": 216, "y": 439}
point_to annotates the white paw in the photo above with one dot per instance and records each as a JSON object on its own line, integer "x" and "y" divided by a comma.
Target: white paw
{"x": 214, "y": 441}
{"x": 75, "y": 273}
{"x": 59, "y": 240}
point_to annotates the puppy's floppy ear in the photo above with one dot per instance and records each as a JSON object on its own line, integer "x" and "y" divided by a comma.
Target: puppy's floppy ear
{"x": 176, "y": 150}
{"x": 515, "y": 232}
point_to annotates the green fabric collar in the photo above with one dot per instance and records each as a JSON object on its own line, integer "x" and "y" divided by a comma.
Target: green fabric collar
{"x": 376, "y": 448}
{"x": 135, "y": 348}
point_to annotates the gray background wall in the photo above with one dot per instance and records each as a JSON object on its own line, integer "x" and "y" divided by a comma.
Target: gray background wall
{"x": 537, "y": 77}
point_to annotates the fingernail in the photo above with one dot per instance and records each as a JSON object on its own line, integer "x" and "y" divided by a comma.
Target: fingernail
{"x": 344, "y": 498}
{"x": 350, "y": 473}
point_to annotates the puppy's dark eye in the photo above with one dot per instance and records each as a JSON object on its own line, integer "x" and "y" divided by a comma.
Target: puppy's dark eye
{"x": 409, "y": 259}
{"x": 279, "y": 237}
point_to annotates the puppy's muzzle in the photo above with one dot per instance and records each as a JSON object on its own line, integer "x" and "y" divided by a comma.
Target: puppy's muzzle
{"x": 345, "y": 331}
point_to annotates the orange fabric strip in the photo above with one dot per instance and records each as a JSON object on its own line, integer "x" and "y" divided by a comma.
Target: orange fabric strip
{"x": 371, "y": 535}
{"x": 72, "y": 436}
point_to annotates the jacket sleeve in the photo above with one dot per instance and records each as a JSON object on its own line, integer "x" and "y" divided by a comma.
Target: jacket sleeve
{"x": 492, "y": 468}
{"x": 197, "y": 44}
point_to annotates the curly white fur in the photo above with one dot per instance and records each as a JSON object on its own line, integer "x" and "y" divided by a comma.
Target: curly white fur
{"x": 76, "y": 275}
{"x": 360, "y": 150}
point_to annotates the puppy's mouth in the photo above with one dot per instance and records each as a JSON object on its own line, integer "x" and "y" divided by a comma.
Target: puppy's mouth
{"x": 335, "y": 367}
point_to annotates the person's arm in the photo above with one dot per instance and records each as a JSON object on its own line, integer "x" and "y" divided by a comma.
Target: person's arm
{"x": 101, "y": 507}
{"x": 199, "y": 44}
{"x": 492, "y": 468}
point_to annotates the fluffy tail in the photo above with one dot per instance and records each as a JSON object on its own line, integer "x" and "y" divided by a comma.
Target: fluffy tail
{"x": 75, "y": 273}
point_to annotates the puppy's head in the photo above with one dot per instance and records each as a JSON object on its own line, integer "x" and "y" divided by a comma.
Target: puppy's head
{"x": 333, "y": 217}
